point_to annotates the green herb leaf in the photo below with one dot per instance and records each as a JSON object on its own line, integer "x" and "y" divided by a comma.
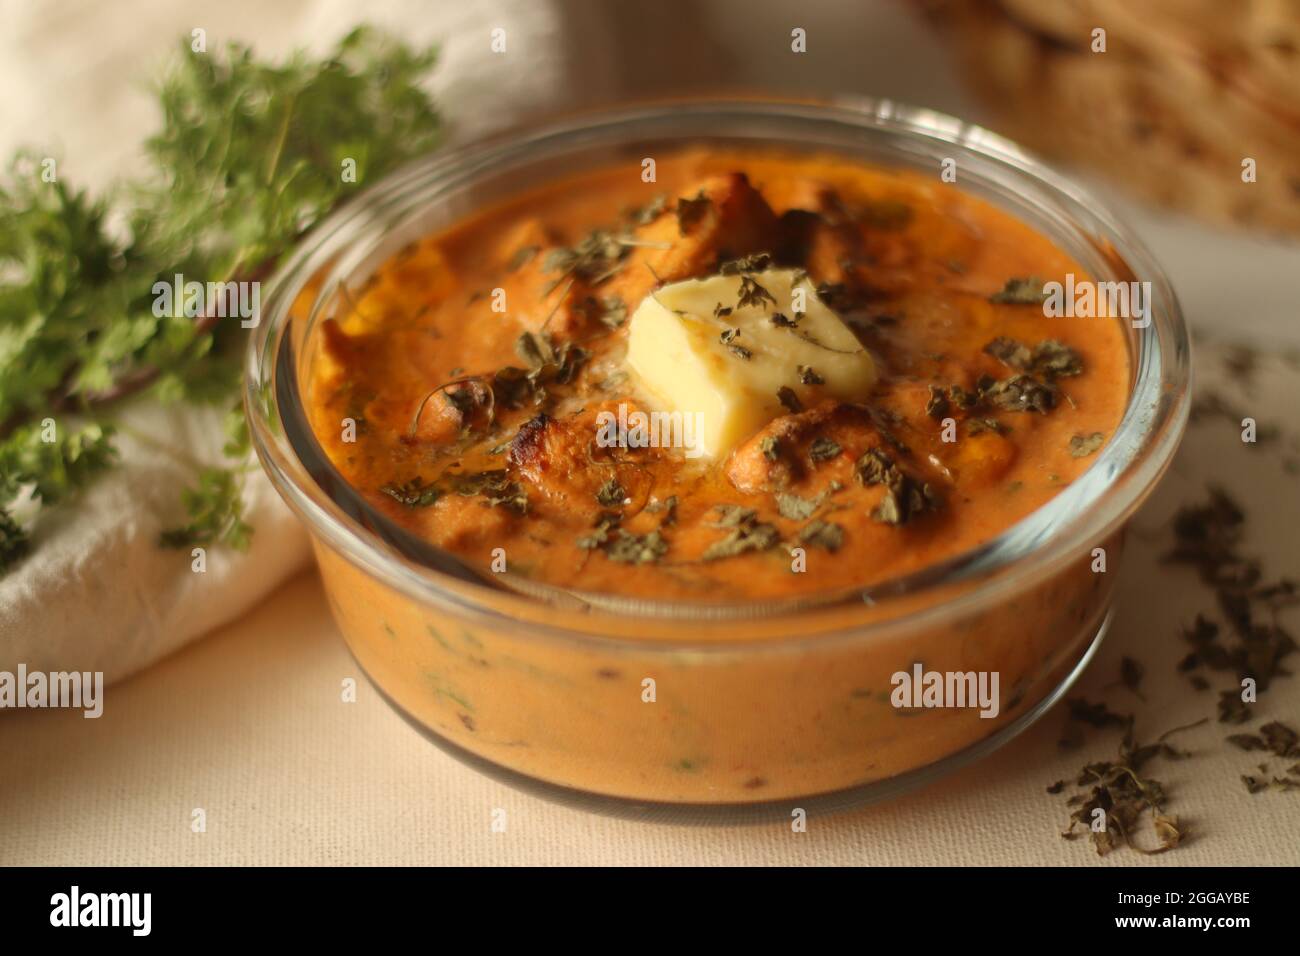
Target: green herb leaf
{"x": 905, "y": 497}
{"x": 823, "y": 534}
{"x": 794, "y": 507}
{"x": 54, "y": 468}
{"x": 728, "y": 338}
{"x": 14, "y": 544}
{"x": 636, "y": 548}
{"x": 690, "y": 212}
{"x": 250, "y": 155}
{"x": 757, "y": 262}
{"x": 1081, "y": 446}
{"x": 1019, "y": 393}
{"x": 611, "y": 494}
{"x": 753, "y": 293}
{"x": 1021, "y": 291}
{"x": 413, "y": 493}
{"x": 746, "y": 533}
{"x": 1048, "y": 359}
{"x": 808, "y": 376}
{"x": 216, "y": 510}
{"x": 648, "y": 213}
{"x": 496, "y": 487}
{"x": 613, "y": 311}
{"x": 823, "y": 449}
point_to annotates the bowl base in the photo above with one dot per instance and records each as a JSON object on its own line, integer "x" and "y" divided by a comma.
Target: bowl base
{"x": 765, "y": 812}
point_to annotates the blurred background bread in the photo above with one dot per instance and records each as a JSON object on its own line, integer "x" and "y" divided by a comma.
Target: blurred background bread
{"x": 1183, "y": 93}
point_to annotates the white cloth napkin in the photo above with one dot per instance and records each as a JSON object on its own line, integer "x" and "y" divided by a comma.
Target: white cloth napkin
{"x": 98, "y": 593}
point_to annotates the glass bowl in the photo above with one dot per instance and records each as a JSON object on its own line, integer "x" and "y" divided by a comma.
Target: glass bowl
{"x": 714, "y": 713}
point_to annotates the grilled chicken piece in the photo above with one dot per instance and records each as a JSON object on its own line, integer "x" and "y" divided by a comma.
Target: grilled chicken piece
{"x": 565, "y": 461}
{"x": 818, "y": 234}
{"x": 821, "y": 443}
{"x": 724, "y": 218}
{"x": 566, "y": 291}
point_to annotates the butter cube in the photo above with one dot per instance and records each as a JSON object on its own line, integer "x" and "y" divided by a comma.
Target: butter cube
{"x": 722, "y": 349}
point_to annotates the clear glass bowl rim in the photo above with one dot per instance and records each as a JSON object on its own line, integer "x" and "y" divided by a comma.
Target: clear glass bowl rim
{"x": 1096, "y": 504}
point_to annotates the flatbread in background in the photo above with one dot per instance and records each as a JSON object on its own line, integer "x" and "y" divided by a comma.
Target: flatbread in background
{"x": 1184, "y": 92}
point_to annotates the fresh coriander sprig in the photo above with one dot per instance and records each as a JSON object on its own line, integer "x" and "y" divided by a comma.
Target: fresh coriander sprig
{"x": 250, "y": 156}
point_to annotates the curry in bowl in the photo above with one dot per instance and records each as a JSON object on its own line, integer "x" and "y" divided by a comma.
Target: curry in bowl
{"x": 759, "y": 375}
{"x": 644, "y": 454}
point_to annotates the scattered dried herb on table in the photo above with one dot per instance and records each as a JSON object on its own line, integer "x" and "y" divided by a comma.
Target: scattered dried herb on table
{"x": 1120, "y": 791}
{"x": 1207, "y": 536}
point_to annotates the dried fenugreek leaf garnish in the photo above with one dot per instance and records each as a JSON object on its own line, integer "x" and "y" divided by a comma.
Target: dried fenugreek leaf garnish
{"x": 1026, "y": 290}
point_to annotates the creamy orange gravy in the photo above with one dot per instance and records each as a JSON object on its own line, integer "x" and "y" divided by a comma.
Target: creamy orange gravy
{"x": 913, "y": 264}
